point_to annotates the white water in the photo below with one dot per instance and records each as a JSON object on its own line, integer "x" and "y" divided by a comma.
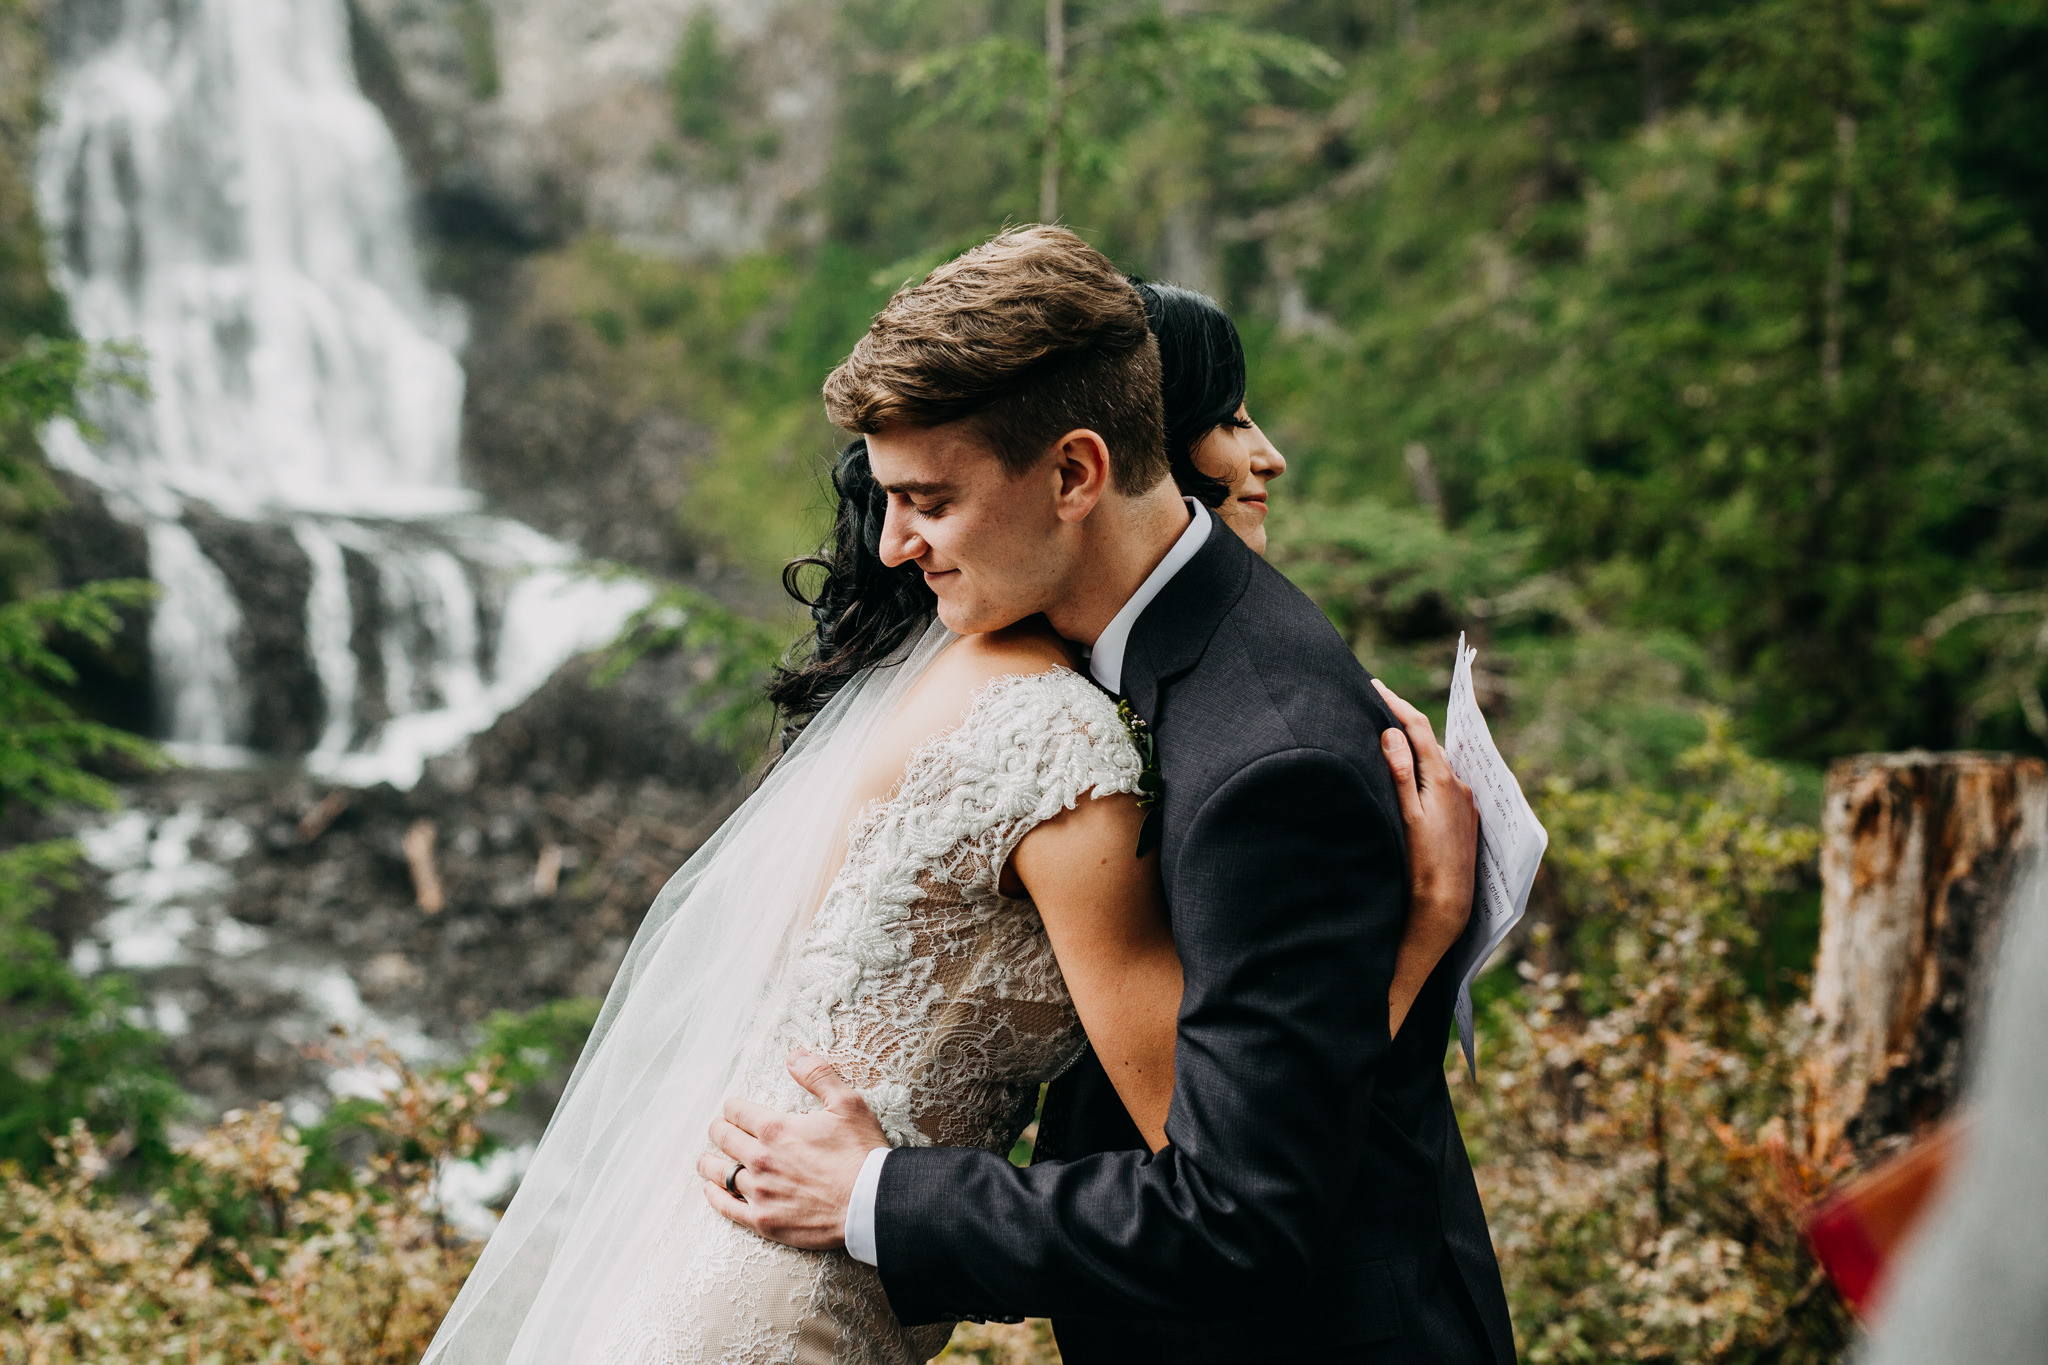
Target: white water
{"x": 218, "y": 190}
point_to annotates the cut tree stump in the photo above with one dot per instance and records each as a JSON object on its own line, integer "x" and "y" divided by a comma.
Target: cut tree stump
{"x": 1921, "y": 853}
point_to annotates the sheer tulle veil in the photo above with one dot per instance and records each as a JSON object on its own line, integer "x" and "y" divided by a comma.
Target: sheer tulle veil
{"x": 661, "y": 1059}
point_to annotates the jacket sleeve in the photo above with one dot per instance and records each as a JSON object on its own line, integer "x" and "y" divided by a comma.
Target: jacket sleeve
{"x": 1288, "y": 898}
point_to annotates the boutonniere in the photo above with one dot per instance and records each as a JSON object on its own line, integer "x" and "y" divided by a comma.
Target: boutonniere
{"x": 1149, "y": 786}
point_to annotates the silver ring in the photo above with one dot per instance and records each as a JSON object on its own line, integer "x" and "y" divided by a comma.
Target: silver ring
{"x": 732, "y": 1182}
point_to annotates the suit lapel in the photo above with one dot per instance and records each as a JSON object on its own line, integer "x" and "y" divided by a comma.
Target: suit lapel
{"x": 1173, "y": 631}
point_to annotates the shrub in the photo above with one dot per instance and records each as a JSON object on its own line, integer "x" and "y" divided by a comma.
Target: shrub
{"x": 240, "y": 1258}
{"x": 1640, "y": 1133}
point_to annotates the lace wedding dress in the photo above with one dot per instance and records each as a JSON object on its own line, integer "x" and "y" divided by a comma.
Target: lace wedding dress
{"x": 934, "y": 994}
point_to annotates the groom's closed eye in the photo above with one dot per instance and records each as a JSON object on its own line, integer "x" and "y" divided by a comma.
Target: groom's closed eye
{"x": 923, "y": 498}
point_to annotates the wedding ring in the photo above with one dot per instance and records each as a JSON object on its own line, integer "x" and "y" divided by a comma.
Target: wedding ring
{"x": 732, "y": 1182}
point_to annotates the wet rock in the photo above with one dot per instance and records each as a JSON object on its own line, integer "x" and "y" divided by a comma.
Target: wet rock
{"x": 270, "y": 577}
{"x": 249, "y": 941}
{"x": 555, "y": 116}
{"x": 87, "y": 543}
{"x": 553, "y": 435}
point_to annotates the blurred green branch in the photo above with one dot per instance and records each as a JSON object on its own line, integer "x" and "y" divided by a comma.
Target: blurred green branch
{"x": 1079, "y": 96}
{"x": 736, "y": 652}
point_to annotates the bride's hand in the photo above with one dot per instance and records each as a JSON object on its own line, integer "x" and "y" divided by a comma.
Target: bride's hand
{"x": 797, "y": 1171}
{"x": 1443, "y": 848}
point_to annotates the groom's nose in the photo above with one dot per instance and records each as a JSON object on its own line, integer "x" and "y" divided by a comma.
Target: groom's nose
{"x": 900, "y": 544}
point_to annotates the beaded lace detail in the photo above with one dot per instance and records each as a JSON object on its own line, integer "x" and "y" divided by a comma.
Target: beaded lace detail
{"x": 933, "y": 993}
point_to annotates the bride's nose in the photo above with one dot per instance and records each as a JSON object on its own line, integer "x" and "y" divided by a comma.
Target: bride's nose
{"x": 1267, "y": 459}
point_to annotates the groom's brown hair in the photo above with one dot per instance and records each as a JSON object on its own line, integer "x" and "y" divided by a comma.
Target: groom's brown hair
{"x": 1032, "y": 334}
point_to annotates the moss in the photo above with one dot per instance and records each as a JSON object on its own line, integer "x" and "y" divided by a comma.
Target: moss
{"x": 739, "y": 348}
{"x": 473, "y": 24}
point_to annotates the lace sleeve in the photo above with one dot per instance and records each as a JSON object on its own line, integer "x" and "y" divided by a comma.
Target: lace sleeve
{"x": 1033, "y": 746}
{"x": 938, "y": 998}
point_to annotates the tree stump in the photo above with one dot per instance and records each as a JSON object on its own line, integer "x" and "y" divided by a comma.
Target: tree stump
{"x": 1921, "y": 854}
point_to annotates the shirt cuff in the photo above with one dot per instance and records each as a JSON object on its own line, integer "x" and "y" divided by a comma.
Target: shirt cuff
{"x": 860, "y": 1210}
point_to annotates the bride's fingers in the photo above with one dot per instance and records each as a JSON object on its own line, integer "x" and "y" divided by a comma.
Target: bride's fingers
{"x": 1431, "y": 764}
{"x": 1403, "y": 712}
{"x": 1401, "y": 763}
{"x": 1412, "y": 720}
{"x": 737, "y": 1144}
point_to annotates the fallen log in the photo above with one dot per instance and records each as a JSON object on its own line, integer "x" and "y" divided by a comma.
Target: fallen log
{"x": 418, "y": 845}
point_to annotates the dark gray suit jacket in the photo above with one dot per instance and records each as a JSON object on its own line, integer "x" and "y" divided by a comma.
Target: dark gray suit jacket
{"x": 1314, "y": 1197}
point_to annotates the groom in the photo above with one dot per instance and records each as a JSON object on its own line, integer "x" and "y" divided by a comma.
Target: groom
{"x": 1314, "y": 1200}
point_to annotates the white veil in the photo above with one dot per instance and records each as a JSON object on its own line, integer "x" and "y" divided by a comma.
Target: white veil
{"x": 662, "y": 1056}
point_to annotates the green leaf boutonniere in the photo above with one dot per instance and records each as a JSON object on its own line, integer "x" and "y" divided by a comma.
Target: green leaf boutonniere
{"x": 1149, "y": 786}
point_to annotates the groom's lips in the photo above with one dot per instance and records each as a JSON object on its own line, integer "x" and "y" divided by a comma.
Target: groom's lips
{"x": 931, "y": 579}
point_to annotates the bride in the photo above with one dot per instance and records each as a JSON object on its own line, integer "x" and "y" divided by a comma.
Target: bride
{"x": 934, "y": 891}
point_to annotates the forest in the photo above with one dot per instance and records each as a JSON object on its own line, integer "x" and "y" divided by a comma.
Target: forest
{"x": 1690, "y": 357}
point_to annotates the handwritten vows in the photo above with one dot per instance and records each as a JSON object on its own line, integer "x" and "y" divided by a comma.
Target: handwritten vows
{"x": 1511, "y": 842}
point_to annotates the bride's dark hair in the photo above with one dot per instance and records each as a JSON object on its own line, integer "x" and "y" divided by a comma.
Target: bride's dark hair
{"x": 864, "y": 612}
{"x": 1201, "y": 378}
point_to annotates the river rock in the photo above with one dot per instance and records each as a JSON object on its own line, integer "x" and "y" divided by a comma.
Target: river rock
{"x": 258, "y": 911}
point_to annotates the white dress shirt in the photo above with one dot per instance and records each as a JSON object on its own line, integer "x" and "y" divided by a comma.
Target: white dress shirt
{"x": 1106, "y": 664}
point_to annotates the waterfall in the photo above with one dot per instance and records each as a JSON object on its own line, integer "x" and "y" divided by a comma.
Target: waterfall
{"x": 218, "y": 190}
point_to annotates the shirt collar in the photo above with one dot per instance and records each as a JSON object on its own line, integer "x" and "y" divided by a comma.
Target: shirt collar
{"x": 1106, "y": 658}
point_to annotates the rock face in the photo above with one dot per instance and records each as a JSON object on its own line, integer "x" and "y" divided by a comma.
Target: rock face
{"x": 526, "y": 120}
{"x": 256, "y": 911}
{"x": 1922, "y": 853}
{"x": 552, "y": 437}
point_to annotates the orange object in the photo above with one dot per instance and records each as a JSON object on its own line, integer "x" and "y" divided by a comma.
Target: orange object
{"x": 1856, "y": 1232}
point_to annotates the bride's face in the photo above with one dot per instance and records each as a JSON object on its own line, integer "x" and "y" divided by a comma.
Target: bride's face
{"x": 991, "y": 544}
{"x": 1238, "y": 455}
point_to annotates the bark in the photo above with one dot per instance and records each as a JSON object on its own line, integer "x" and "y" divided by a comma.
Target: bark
{"x": 1922, "y": 851}
{"x": 1055, "y": 111}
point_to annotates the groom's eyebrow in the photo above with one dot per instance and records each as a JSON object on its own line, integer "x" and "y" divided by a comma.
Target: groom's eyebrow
{"x": 917, "y": 489}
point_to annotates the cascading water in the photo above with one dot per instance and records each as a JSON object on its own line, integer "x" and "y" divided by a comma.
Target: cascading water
{"x": 219, "y": 191}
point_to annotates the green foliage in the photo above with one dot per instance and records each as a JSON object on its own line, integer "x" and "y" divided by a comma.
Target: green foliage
{"x": 1694, "y": 301}
{"x": 238, "y": 1256}
{"x": 68, "y": 1049}
{"x": 1638, "y": 1130}
{"x": 1119, "y": 69}
{"x": 738, "y": 653}
{"x": 702, "y": 83}
{"x": 29, "y": 305}
{"x": 43, "y": 746}
{"x": 477, "y": 31}
{"x": 1728, "y": 312}
{"x": 534, "y": 1046}
{"x": 741, "y": 347}
{"x": 524, "y": 1053}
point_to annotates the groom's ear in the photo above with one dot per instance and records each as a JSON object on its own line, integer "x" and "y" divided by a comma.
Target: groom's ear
{"x": 1080, "y": 462}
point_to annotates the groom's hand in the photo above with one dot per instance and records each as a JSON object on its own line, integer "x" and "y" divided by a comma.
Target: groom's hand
{"x": 797, "y": 1170}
